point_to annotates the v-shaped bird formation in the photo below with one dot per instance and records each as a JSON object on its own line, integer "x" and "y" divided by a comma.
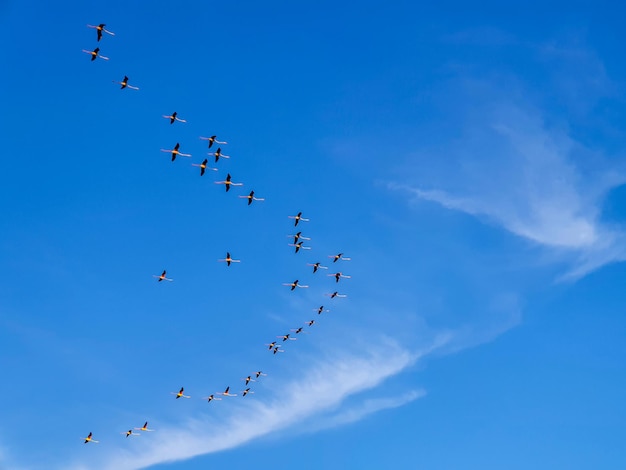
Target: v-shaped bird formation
{"x": 298, "y": 240}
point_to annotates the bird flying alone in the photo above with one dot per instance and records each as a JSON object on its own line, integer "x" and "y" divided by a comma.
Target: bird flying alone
{"x": 250, "y": 197}
{"x": 299, "y": 246}
{"x": 203, "y": 166}
{"x": 100, "y": 29}
{"x": 144, "y": 428}
{"x": 162, "y": 277}
{"x": 226, "y": 393}
{"x": 298, "y": 217}
{"x": 175, "y": 152}
{"x": 173, "y": 117}
{"x": 338, "y": 256}
{"x": 338, "y": 276}
{"x": 212, "y": 140}
{"x": 95, "y": 54}
{"x": 125, "y": 84}
{"x": 295, "y": 284}
{"x": 321, "y": 309}
{"x": 218, "y": 153}
{"x": 316, "y": 266}
{"x": 180, "y": 393}
{"x": 336, "y": 294}
{"x": 89, "y": 438}
{"x": 228, "y": 183}
{"x": 229, "y": 260}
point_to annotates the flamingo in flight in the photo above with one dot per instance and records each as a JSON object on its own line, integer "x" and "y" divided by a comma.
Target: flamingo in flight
{"x": 203, "y": 166}
{"x": 321, "y": 309}
{"x": 310, "y": 322}
{"x": 130, "y": 433}
{"x": 338, "y": 256}
{"x": 125, "y": 84}
{"x": 144, "y": 428}
{"x": 212, "y": 140}
{"x": 316, "y": 266}
{"x": 175, "y": 152}
{"x": 298, "y": 330}
{"x": 336, "y": 294}
{"x": 250, "y": 197}
{"x": 89, "y": 438}
{"x": 173, "y": 117}
{"x": 259, "y": 373}
{"x": 180, "y": 393}
{"x": 227, "y": 393}
{"x": 246, "y": 391}
{"x": 218, "y": 154}
{"x": 210, "y": 398}
{"x": 338, "y": 276}
{"x": 297, "y": 237}
{"x": 286, "y": 337}
{"x": 271, "y": 345}
{"x": 298, "y": 217}
{"x": 162, "y": 277}
{"x": 228, "y": 182}
{"x": 299, "y": 246}
{"x": 95, "y": 54}
{"x": 249, "y": 379}
{"x": 100, "y": 29}
{"x": 295, "y": 284}
{"x": 229, "y": 260}
{"x": 277, "y": 349}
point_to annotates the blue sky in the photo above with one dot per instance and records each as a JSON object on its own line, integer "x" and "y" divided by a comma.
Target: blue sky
{"x": 467, "y": 158}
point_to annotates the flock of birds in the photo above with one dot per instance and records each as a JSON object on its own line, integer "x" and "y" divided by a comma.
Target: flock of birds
{"x": 298, "y": 239}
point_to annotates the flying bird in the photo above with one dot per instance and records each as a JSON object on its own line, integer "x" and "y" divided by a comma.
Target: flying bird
{"x": 144, "y": 428}
{"x": 218, "y": 154}
{"x": 95, "y": 54}
{"x": 339, "y": 256}
{"x": 175, "y": 152}
{"x": 336, "y": 294}
{"x": 298, "y": 217}
{"x": 203, "y": 166}
{"x": 173, "y": 117}
{"x": 228, "y": 182}
{"x": 294, "y": 284}
{"x": 162, "y": 277}
{"x": 212, "y": 140}
{"x": 226, "y": 393}
{"x": 180, "y": 393}
{"x": 316, "y": 266}
{"x": 310, "y": 322}
{"x": 229, "y": 260}
{"x": 130, "y": 433}
{"x": 210, "y": 398}
{"x": 89, "y": 439}
{"x": 321, "y": 309}
{"x": 125, "y": 84}
{"x": 286, "y": 337}
{"x": 250, "y": 197}
{"x": 246, "y": 391}
{"x": 338, "y": 276}
{"x": 278, "y": 350}
{"x": 271, "y": 345}
{"x": 100, "y": 29}
{"x": 259, "y": 373}
{"x": 299, "y": 246}
{"x": 298, "y": 330}
{"x": 249, "y": 379}
{"x": 297, "y": 237}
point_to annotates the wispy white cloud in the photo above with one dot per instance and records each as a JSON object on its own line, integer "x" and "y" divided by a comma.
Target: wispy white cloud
{"x": 321, "y": 389}
{"x": 536, "y": 182}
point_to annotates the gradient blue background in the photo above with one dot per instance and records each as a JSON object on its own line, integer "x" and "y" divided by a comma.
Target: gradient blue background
{"x": 345, "y": 112}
